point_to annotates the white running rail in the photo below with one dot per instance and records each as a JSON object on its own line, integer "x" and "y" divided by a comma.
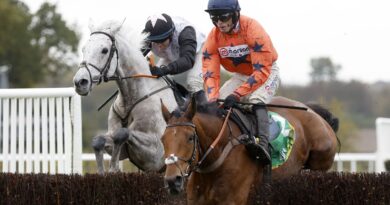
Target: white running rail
{"x": 371, "y": 162}
{"x": 355, "y": 162}
{"x": 40, "y": 131}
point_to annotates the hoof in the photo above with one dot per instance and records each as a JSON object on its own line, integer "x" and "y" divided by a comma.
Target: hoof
{"x": 114, "y": 170}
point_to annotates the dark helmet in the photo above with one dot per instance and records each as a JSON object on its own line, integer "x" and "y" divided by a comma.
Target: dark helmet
{"x": 159, "y": 27}
{"x": 223, "y": 5}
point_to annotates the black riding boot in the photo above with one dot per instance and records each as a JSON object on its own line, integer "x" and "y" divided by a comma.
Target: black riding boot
{"x": 260, "y": 146}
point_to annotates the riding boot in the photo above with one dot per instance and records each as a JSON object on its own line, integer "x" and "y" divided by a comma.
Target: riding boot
{"x": 260, "y": 146}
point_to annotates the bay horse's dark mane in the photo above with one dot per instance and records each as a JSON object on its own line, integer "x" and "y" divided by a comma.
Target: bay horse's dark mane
{"x": 209, "y": 108}
{"x": 326, "y": 114}
{"x": 202, "y": 106}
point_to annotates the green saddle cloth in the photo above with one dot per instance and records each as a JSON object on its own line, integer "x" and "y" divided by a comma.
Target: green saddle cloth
{"x": 282, "y": 144}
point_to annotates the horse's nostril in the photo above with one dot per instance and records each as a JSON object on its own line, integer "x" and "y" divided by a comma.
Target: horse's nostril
{"x": 83, "y": 82}
{"x": 174, "y": 181}
{"x": 179, "y": 178}
{"x": 178, "y": 181}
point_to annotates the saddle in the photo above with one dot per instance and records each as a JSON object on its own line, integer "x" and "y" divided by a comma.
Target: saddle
{"x": 246, "y": 121}
{"x": 281, "y": 138}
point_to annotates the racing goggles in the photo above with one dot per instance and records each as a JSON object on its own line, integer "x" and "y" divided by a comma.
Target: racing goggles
{"x": 221, "y": 17}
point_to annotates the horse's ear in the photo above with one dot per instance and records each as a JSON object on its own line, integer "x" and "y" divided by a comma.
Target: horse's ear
{"x": 165, "y": 111}
{"x": 116, "y": 27}
{"x": 191, "y": 109}
{"x": 91, "y": 25}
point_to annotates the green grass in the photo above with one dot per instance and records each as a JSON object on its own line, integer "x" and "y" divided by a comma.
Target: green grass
{"x": 90, "y": 167}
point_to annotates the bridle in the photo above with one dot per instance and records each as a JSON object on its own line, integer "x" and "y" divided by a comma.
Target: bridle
{"x": 191, "y": 165}
{"x": 173, "y": 159}
{"x": 103, "y": 71}
{"x": 104, "y": 78}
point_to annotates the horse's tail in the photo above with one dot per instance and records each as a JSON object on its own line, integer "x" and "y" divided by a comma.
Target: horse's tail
{"x": 332, "y": 120}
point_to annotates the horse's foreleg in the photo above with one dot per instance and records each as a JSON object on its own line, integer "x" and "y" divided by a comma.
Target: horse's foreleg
{"x": 146, "y": 151}
{"x": 119, "y": 139}
{"x": 98, "y": 143}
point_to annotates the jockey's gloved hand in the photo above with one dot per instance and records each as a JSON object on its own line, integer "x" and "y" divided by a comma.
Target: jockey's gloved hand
{"x": 159, "y": 71}
{"x": 230, "y": 101}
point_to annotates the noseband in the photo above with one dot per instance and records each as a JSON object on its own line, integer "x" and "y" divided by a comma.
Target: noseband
{"x": 103, "y": 71}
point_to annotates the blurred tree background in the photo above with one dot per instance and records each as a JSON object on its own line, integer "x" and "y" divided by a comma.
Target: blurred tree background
{"x": 35, "y": 47}
{"x": 40, "y": 50}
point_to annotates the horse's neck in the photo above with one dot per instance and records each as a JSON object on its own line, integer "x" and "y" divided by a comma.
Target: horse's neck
{"x": 133, "y": 89}
{"x": 130, "y": 91}
{"x": 131, "y": 62}
{"x": 213, "y": 126}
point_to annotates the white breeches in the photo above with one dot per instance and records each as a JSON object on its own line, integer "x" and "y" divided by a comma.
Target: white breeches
{"x": 262, "y": 94}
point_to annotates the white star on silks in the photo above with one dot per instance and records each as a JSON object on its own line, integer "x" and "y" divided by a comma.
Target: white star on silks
{"x": 155, "y": 17}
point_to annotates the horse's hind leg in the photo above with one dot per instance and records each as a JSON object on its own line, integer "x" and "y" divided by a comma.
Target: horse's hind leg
{"x": 119, "y": 139}
{"x": 98, "y": 143}
{"x": 321, "y": 156}
{"x": 321, "y": 161}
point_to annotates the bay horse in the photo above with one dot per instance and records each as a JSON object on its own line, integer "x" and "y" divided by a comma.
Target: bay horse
{"x": 225, "y": 177}
{"x": 135, "y": 121}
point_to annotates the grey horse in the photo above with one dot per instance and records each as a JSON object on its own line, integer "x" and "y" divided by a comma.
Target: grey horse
{"x": 135, "y": 121}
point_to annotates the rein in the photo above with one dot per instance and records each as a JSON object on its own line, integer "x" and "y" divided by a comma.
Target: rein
{"x": 216, "y": 139}
{"x": 132, "y": 76}
{"x": 116, "y": 92}
{"x": 269, "y": 105}
{"x": 125, "y": 119}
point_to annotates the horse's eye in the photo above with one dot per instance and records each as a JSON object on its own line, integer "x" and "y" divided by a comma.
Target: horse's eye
{"x": 105, "y": 51}
{"x": 190, "y": 139}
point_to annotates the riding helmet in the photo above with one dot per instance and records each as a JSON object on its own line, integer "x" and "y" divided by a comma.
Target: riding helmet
{"x": 218, "y": 7}
{"x": 159, "y": 27}
{"x": 223, "y": 5}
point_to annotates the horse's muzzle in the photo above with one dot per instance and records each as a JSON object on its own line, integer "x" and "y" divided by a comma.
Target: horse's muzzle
{"x": 82, "y": 86}
{"x": 174, "y": 184}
